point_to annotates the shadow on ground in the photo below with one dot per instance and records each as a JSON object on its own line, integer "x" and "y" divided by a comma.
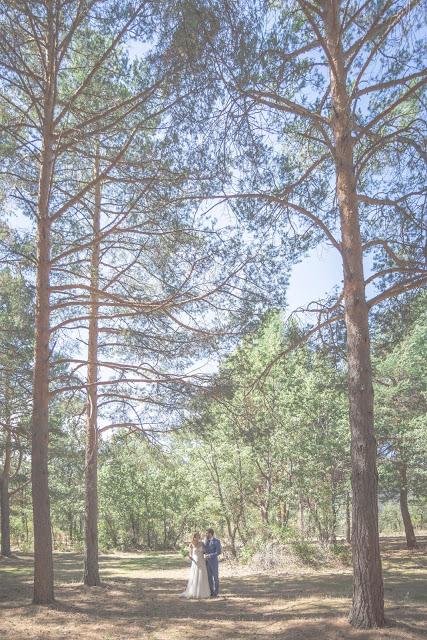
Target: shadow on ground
{"x": 139, "y": 599}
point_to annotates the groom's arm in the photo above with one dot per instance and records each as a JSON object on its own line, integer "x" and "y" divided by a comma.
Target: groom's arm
{"x": 217, "y": 551}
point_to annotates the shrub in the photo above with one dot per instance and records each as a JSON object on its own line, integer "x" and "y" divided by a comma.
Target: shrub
{"x": 342, "y": 552}
{"x": 306, "y": 552}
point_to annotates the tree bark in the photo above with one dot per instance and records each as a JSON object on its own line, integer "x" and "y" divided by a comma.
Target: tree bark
{"x": 43, "y": 562}
{"x": 301, "y": 518}
{"x": 43, "y": 559}
{"x": 165, "y": 528}
{"x": 334, "y": 509}
{"x": 91, "y": 566}
{"x": 71, "y": 529}
{"x": 411, "y": 541}
{"x": 368, "y": 593}
{"x": 347, "y": 519}
{"x": 5, "y": 499}
{"x": 262, "y": 504}
{"x": 27, "y": 533}
{"x": 282, "y": 514}
{"x": 242, "y": 535}
{"x": 232, "y": 534}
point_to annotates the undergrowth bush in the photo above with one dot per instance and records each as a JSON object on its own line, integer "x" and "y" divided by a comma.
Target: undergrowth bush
{"x": 283, "y": 549}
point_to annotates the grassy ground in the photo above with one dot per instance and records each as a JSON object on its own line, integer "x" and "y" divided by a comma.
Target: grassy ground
{"x": 139, "y": 600}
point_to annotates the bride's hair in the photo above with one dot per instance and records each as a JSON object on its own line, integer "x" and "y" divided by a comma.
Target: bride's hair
{"x": 196, "y": 534}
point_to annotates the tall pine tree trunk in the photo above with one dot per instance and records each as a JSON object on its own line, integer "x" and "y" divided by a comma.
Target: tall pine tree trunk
{"x": 368, "y": 594}
{"x": 91, "y": 567}
{"x": 4, "y": 499}
{"x": 411, "y": 541}
{"x": 43, "y": 559}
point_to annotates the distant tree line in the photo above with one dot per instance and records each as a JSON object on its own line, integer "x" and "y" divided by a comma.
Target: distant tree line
{"x": 259, "y": 464}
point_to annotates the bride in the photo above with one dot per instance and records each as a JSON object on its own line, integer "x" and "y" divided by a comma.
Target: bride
{"x": 198, "y": 583}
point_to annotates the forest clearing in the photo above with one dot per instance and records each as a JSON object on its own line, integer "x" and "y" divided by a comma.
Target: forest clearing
{"x": 139, "y": 600}
{"x": 213, "y": 319}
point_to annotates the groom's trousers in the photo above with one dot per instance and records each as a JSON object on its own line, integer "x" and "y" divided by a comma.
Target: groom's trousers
{"x": 213, "y": 577}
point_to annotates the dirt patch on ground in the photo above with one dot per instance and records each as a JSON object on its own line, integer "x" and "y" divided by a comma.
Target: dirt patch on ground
{"x": 139, "y": 600}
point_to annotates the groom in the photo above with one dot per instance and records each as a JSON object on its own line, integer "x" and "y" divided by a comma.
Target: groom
{"x": 213, "y": 550}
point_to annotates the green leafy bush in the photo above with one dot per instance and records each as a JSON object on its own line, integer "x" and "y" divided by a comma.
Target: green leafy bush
{"x": 306, "y": 552}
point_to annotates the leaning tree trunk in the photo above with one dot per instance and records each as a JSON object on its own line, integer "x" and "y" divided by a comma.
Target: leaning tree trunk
{"x": 411, "y": 541}
{"x": 91, "y": 566}
{"x": 4, "y": 499}
{"x": 368, "y": 593}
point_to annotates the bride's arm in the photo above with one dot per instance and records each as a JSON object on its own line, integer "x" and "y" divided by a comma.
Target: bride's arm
{"x": 190, "y": 552}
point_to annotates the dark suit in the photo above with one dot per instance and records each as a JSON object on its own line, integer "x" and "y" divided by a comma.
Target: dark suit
{"x": 213, "y": 548}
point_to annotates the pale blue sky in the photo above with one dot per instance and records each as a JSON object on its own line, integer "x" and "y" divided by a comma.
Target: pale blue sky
{"x": 318, "y": 273}
{"x": 314, "y": 277}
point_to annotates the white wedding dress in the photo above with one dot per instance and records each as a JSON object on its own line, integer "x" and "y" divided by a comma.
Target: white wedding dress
{"x": 198, "y": 583}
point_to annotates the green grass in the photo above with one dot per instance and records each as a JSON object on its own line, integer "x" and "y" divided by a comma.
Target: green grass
{"x": 68, "y": 567}
{"x": 151, "y": 561}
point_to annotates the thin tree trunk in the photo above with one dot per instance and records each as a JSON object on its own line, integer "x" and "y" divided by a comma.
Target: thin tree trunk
{"x": 5, "y": 500}
{"x": 264, "y": 513}
{"x": 91, "y": 566}
{"x": 148, "y": 522}
{"x": 233, "y": 532}
{"x": 242, "y": 536}
{"x": 282, "y": 514}
{"x": 165, "y": 531}
{"x": 285, "y": 515}
{"x": 322, "y": 532}
{"x": 347, "y": 519}
{"x": 411, "y": 541}
{"x": 333, "y": 533}
{"x": 368, "y": 593}
{"x": 301, "y": 519}
{"x": 262, "y": 505}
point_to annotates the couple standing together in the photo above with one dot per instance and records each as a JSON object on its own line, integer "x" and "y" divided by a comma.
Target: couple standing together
{"x": 203, "y": 581}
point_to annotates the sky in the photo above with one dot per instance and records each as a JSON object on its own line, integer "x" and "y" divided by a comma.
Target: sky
{"x": 314, "y": 277}
{"x": 318, "y": 273}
